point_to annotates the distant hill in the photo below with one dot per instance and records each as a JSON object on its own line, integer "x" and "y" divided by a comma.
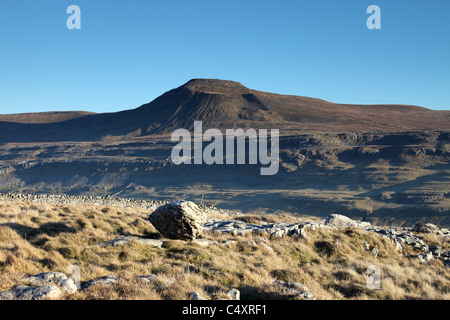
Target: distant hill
{"x": 222, "y": 104}
{"x": 43, "y": 117}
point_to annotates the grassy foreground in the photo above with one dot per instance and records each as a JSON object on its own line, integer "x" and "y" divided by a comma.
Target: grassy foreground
{"x": 333, "y": 264}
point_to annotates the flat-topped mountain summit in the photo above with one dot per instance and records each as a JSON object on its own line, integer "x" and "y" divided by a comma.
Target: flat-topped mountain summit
{"x": 221, "y": 104}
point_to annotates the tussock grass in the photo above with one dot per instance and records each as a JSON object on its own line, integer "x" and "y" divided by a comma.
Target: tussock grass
{"x": 333, "y": 264}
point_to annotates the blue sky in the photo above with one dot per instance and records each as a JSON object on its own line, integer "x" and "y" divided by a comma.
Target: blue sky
{"x": 129, "y": 52}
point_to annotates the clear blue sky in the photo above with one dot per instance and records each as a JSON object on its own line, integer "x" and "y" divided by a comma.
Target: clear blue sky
{"x": 129, "y": 52}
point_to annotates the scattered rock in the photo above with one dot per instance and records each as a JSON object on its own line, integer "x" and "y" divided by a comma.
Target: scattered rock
{"x": 375, "y": 252}
{"x": 204, "y": 242}
{"x": 300, "y": 233}
{"x": 298, "y": 290}
{"x": 23, "y": 292}
{"x": 196, "y": 296}
{"x": 179, "y": 220}
{"x": 234, "y": 294}
{"x": 124, "y": 240}
{"x": 108, "y": 280}
{"x": 53, "y": 278}
{"x": 340, "y": 221}
{"x": 425, "y": 257}
{"x": 366, "y": 246}
{"x": 426, "y": 228}
{"x": 149, "y": 279}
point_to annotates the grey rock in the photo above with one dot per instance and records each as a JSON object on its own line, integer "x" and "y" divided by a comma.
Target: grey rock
{"x": 340, "y": 221}
{"x": 179, "y": 220}
{"x": 204, "y": 242}
{"x": 108, "y": 280}
{"x": 298, "y": 290}
{"x": 305, "y": 296}
{"x": 299, "y": 233}
{"x": 53, "y": 278}
{"x": 234, "y": 294}
{"x": 23, "y": 292}
{"x": 125, "y": 240}
{"x": 426, "y": 228}
{"x": 425, "y": 257}
{"x": 149, "y": 279}
{"x": 196, "y": 296}
{"x": 375, "y": 252}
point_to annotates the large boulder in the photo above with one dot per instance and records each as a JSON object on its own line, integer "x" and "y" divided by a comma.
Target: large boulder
{"x": 179, "y": 220}
{"x": 340, "y": 221}
{"x": 426, "y": 228}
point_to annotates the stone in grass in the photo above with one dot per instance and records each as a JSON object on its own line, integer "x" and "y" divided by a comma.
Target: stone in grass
{"x": 179, "y": 220}
{"x": 196, "y": 296}
{"x": 427, "y": 228}
{"x": 149, "y": 279}
{"x": 53, "y": 278}
{"x": 23, "y": 292}
{"x": 234, "y": 294}
{"x": 108, "y": 280}
{"x": 340, "y": 221}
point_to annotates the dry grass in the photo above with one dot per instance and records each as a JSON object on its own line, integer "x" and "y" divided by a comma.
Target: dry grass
{"x": 37, "y": 238}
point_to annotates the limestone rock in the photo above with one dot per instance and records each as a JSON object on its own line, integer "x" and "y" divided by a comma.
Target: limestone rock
{"x": 340, "y": 221}
{"x": 375, "y": 252}
{"x": 23, "y": 292}
{"x": 179, "y": 220}
{"x": 108, "y": 280}
{"x": 196, "y": 296}
{"x": 426, "y": 228}
{"x": 149, "y": 279}
{"x": 125, "y": 240}
{"x": 53, "y": 278}
{"x": 234, "y": 294}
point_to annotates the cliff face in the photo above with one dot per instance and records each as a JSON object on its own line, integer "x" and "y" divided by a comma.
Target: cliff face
{"x": 398, "y": 178}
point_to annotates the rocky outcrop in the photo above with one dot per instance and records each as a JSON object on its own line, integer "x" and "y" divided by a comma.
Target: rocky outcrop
{"x": 340, "y": 221}
{"x": 427, "y": 228}
{"x": 125, "y": 240}
{"x": 53, "y": 279}
{"x": 23, "y": 292}
{"x": 45, "y": 286}
{"x": 277, "y": 230}
{"x": 182, "y": 220}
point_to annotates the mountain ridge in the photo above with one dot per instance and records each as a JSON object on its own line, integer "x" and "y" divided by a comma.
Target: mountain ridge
{"x": 226, "y": 104}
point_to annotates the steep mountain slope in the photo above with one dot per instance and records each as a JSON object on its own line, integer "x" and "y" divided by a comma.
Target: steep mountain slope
{"x": 227, "y": 104}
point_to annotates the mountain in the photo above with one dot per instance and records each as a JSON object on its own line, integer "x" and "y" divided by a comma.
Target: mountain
{"x": 221, "y": 104}
{"x": 383, "y": 163}
{"x": 43, "y": 117}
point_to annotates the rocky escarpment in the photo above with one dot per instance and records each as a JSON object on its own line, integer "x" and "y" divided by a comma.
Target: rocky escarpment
{"x": 383, "y": 177}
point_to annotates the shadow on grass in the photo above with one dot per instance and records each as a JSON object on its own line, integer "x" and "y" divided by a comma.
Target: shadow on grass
{"x": 51, "y": 229}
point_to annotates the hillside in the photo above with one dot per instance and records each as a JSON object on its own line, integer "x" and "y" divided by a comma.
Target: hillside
{"x": 43, "y": 117}
{"x": 378, "y": 163}
{"x": 120, "y": 255}
{"x": 226, "y": 104}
